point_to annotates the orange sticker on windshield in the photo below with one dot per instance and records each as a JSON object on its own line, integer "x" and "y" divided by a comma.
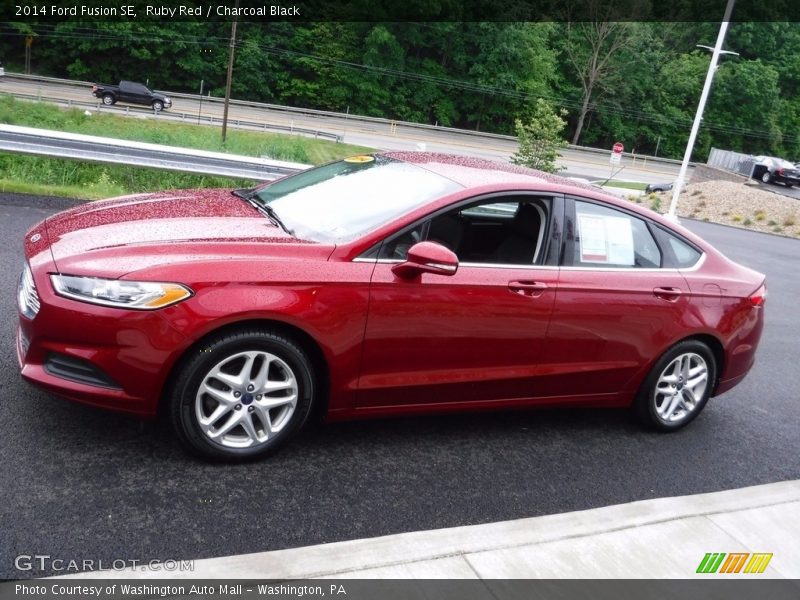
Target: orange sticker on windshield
{"x": 364, "y": 158}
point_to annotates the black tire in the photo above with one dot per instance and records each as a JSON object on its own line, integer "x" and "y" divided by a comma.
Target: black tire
{"x": 186, "y": 399}
{"x": 651, "y": 402}
{"x": 157, "y": 105}
{"x": 766, "y": 177}
{"x": 108, "y": 99}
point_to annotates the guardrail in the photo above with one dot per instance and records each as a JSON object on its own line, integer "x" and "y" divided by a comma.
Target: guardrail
{"x": 347, "y": 117}
{"x": 58, "y": 144}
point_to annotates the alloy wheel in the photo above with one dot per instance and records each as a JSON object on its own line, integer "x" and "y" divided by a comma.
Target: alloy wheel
{"x": 681, "y": 387}
{"x": 246, "y": 399}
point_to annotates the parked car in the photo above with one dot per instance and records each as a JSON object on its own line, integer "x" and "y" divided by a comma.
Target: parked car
{"x": 658, "y": 187}
{"x": 776, "y": 170}
{"x": 385, "y": 284}
{"x": 132, "y": 93}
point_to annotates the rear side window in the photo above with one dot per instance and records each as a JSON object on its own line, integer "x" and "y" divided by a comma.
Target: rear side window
{"x": 685, "y": 255}
{"x": 605, "y": 237}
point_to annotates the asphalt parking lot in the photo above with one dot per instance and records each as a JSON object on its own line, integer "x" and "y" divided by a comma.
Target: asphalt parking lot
{"x": 83, "y": 484}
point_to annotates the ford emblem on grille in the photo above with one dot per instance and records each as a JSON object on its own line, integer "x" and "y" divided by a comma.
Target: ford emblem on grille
{"x": 35, "y": 238}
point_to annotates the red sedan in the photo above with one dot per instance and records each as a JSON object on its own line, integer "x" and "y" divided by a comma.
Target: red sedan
{"x": 386, "y": 284}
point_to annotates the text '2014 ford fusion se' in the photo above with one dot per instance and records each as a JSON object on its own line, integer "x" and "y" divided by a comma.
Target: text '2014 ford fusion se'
{"x": 384, "y": 284}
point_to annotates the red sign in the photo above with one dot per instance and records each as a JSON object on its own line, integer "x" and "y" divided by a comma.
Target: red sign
{"x": 618, "y": 148}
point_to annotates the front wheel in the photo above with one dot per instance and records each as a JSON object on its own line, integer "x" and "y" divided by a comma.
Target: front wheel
{"x": 242, "y": 395}
{"x": 157, "y": 105}
{"x": 678, "y": 386}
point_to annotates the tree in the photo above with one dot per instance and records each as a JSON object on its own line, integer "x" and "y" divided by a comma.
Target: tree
{"x": 591, "y": 49}
{"x": 540, "y": 138}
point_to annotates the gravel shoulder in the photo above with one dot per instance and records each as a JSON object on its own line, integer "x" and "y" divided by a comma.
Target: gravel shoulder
{"x": 735, "y": 204}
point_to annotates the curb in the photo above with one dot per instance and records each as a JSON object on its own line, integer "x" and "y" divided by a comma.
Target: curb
{"x": 343, "y": 558}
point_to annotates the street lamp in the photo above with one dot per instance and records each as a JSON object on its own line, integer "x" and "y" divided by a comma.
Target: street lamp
{"x": 717, "y": 50}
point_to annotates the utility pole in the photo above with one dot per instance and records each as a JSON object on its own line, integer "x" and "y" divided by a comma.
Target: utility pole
{"x": 200, "y": 108}
{"x": 28, "y": 44}
{"x": 230, "y": 75}
{"x": 676, "y": 190}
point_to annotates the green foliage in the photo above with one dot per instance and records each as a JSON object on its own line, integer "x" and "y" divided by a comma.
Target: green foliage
{"x": 635, "y": 82}
{"x": 540, "y": 138}
{"x": 655, "y": 204}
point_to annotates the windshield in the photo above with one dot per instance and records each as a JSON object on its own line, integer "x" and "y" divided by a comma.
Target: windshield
{"x": 340, "y": 201}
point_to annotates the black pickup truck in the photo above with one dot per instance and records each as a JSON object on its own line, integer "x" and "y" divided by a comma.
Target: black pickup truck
{"x": 132, "y": 93}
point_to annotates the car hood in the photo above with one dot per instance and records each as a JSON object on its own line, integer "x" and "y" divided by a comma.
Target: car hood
{"x": 116, "y": 236}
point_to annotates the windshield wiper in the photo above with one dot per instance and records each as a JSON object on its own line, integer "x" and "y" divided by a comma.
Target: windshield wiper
{"x": 273, "y": 216}
{"x": 248, "y": 194}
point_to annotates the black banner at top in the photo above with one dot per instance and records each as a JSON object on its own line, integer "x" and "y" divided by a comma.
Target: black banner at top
{"x": 32, "y": 11}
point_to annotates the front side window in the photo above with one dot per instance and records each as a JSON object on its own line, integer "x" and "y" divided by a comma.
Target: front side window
{"x": 341, "y": 201}
{"x": 605, "y": 237}
{"x": 510, "y": 231}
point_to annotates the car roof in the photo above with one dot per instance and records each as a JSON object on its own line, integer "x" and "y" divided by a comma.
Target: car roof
{"x": 471, "y": 172}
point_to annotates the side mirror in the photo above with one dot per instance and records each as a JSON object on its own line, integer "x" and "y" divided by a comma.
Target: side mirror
{"x": 427, "y": 257}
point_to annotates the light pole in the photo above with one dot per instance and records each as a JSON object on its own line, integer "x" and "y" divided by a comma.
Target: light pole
{"x": 676, "y": 190}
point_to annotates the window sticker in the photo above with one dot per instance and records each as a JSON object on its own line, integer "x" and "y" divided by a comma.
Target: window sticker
{"x": 594, "y": 246}
{"x": 605, "y": 240}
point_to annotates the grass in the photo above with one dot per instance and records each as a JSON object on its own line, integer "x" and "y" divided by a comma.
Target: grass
{"x": 59, "y": 177}
{"x": 628, "y": 185}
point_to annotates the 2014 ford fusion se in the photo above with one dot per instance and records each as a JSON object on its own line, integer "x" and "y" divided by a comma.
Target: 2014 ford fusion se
{"x": 383, "y": 284}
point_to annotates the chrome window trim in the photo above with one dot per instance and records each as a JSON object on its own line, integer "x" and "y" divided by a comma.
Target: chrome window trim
{"x": 695, "y": 267}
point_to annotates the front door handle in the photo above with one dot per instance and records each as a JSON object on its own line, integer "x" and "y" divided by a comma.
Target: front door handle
{"x": 670, "y": 294}
{"x": 531, "y": 289}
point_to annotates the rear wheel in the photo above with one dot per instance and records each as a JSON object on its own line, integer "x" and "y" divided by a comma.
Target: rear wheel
{"x": 766, "y": 177}
{"x": 108, "y": 99}
{"x": 678, "y": 386}
{"x": 242, "y": 395}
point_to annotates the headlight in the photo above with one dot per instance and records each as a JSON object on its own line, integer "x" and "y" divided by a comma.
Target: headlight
{"x": 119, "y": 293}
{"x": 27, "y": 298}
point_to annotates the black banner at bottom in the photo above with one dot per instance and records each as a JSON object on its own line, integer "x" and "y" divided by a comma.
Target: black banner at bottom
{"x": 403, "y": 589}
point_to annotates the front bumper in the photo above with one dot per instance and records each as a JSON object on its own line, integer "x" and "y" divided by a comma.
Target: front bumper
{"x": 106, "y": 357}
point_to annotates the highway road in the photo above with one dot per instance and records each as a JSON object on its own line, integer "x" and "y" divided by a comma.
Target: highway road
{"x": 379, "y": 135}
{"x": 84, "y": 484}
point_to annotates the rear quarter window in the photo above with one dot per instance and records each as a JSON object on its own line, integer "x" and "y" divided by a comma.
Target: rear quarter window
{"x": 685, "y": 255}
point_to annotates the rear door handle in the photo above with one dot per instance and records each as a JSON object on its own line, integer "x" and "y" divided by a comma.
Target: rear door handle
{"x": 532, "y": 289}
{"x": 670, "y": 294}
